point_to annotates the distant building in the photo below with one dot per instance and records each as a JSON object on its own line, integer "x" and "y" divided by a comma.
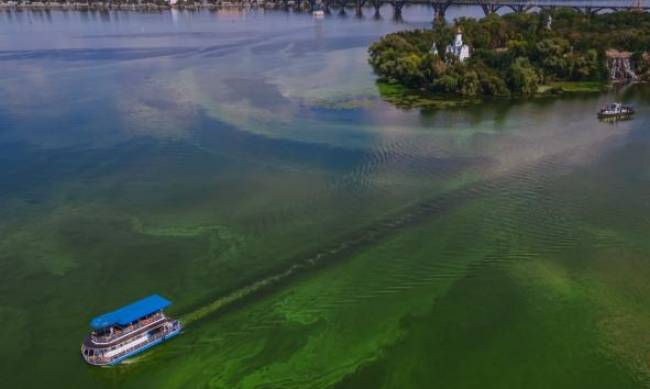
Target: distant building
{"x": 458, "y": 49}
{"x": 620, "y": 65}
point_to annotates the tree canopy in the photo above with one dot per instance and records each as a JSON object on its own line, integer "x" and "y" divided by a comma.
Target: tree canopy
{"x": 512, "y": 54}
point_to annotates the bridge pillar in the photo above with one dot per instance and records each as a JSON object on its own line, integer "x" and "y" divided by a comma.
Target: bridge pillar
{"x": 440, "y": 9}
{"x": 342, "y": 4}
{"x": 489, "y": 6}
{"x": 397, "y": 9}
{"x": 438, "y": 14}
{"x": 358, "y": 7}
{"x": 376, "y": 4}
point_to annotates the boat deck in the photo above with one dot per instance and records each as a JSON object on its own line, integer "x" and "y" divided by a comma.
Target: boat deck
{"x": 168, "y": 330}
{"x": 125, "y": 333}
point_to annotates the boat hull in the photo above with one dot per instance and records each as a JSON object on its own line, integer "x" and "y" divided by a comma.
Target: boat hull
{"x": 146, "y": 347}
{"x": 174, "y": 331}
{"x": 615, "y": 118}
{"x": 615, "y": 115}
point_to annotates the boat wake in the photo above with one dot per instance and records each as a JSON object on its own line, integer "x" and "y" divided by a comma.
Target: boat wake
{"x": 522, "y": 179}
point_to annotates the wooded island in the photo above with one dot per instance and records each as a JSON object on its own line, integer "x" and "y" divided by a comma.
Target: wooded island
{"x": 518, "y": 54}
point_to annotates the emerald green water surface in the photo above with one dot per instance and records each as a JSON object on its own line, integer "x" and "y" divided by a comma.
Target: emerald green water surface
{"x": 309, "y": 234}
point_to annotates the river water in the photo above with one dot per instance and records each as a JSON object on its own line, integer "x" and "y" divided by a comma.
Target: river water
{"x": 244, "y": 165}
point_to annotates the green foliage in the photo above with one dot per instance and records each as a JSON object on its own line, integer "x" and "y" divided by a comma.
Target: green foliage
{"x": 523, "y": 77}
{"x": 511, "y": 54}
{"x": 551, "y": 54}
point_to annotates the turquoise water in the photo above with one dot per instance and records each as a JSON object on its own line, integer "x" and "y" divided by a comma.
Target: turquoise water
{"x": 310, "y": 235}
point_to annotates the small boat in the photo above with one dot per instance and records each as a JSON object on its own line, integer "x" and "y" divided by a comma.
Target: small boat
{"x": 318, "y": 14}
{"x": 616, "y": 111}
{"x": 127, "y": 331}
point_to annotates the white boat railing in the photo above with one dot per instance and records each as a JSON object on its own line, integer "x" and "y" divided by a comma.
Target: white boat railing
{"x": 100, "y": 359}
{"x": 119, "y": 334}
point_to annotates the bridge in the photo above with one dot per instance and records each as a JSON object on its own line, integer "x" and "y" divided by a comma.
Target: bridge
{"x": 439, "y": 7}
{"x": 488, "y": 6}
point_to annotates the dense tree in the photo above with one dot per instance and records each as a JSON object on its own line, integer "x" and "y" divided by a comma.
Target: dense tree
{"x": 523, "y": 78}
{"x": 551, "y": 55}
{"x": 512, "y": 54}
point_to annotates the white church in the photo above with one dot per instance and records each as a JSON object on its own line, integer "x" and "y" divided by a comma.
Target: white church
{"x": 457, "y": 48}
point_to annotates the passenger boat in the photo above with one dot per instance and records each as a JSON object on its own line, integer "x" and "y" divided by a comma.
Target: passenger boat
{"x": 318, "y": 14}
{"x": 128, "y": 331}
{"x": 616, "y": 111}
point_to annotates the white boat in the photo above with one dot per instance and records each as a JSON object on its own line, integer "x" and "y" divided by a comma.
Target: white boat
{"x": 318, "y": 14}
{"x": 616, "y": 111}
{"x": 128, "y": 331}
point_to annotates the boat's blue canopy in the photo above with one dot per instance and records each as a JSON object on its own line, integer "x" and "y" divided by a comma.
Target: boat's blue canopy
{"x": 130, "y": 313}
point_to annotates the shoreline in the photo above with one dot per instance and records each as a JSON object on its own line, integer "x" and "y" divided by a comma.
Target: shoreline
{"x": 145, "y": 6}
{"x": 407, "y": 98}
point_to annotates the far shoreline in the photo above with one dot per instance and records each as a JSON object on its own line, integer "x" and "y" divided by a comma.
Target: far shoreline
{"x": 141, "y": 7}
